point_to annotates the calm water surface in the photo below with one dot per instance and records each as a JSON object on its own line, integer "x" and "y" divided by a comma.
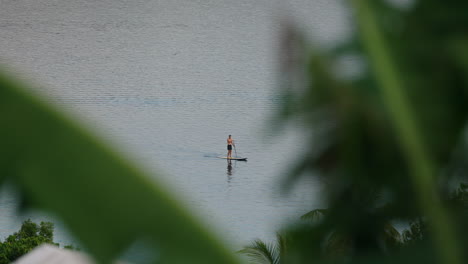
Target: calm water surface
{"x": 165, "y": 82}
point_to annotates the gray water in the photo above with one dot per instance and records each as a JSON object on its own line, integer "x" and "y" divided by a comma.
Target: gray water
{"x": 165, "y": 82}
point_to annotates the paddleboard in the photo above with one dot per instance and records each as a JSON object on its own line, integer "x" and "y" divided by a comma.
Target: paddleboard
{"x": 232, "y": 158}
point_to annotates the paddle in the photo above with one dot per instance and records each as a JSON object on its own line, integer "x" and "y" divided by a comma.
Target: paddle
{"x": 235, "y": 150}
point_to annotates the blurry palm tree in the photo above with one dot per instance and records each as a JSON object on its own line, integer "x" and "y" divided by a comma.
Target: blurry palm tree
{"x": 388, "y": 136}
{"x": 334, "y": 244}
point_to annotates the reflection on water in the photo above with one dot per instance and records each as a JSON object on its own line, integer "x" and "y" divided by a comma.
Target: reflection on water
{"x": 229, "y": 170}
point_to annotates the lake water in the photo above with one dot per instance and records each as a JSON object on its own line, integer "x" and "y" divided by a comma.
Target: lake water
{"x": 166, "y": 82}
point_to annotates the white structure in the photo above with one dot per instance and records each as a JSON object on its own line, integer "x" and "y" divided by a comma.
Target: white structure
{"x": 49, "y": 254}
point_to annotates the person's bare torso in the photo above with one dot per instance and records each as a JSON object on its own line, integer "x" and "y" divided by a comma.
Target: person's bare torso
{"x": 229, "y": 141}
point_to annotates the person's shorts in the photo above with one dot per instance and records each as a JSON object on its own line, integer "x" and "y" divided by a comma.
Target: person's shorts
{"x": 229, "y": 147}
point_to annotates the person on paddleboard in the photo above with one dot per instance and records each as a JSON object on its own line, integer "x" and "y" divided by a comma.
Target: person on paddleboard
{"x": 230, "y": 143}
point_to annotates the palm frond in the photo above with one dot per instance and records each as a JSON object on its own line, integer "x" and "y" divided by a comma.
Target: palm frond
{"x": 260, "y": 252}
{"x": 282, "y": 248}
{"x": 314, "y": 215}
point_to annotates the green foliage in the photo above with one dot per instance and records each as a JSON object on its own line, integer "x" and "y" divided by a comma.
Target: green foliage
{"x": 335, "y": 243}
{"x": 416, "y": 232}
{"x": 388, "y": 141}
{"x": 26, "y": 239}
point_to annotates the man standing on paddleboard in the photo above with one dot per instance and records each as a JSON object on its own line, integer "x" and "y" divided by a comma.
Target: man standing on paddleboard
{"x": 230, "y": 143}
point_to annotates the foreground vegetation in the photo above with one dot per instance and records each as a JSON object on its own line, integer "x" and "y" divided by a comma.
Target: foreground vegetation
{"x": 387, "y": 138}
{"x": 388, "y": 135}
{"x": 337, "y": 244}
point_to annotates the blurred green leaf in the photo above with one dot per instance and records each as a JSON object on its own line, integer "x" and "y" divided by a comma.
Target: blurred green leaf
{"x": 388, "y": 144}
{"x": 406, "y": 124}
{"x": 105, "y": 201}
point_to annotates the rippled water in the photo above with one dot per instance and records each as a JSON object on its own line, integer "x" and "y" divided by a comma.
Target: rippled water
{"x": 166, "y": 82}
